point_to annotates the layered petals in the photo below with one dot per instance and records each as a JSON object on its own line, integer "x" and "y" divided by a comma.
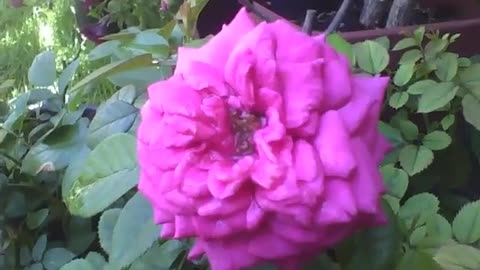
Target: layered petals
{"x": 263, "y": 147}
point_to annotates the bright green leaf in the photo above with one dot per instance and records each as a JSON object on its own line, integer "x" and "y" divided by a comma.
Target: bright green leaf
{"x": 404, "y": 74}
{"x": 469, "y": 77}
{"x": 458, "y": 257}
{"x": 435, "y": 98}
{"x": 342, "y": 46}
{"x": 410, "y": 57}
{"x": 416, "y": 260}
{"x": 447, "y": 121}
{"x": 112, "y": 118}
{"x": 419, "y": 33}
{"x": 141, "y": 77}
{"x": 43, "y": 70}
{"x": 415, "y": 159}
{"x": 384, "y": 41}
{"x": 405, "y": 44}
{"x": 421, "y": 87}
{"x": 438, "y": 227}
{"x": 134, "y": 232}
{"x": 466, "y": 225}
{"x": 109, "y": 172}
{"x": 464, "y": 62}
{"x": 105, "y": 228}
{"x": 398, "y": 100}
{"x": 437, "y": 140}
{"x": 35, "y": 219}
{"x": 395, "y": 179}
{"x": 417, "y": 235}
{"x": 371, "y": 56}
{"x": 57, "y": 257}
{"x": 434, "y": 47}
{"x": 74, "y": 169}
{"x": 418, "y": 209}
{"x": 447, "y": 66}
{"x": 471, "y": 110}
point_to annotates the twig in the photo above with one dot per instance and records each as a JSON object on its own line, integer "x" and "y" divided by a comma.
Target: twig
{"x": 250, "y": 6}
{"x": 309, "y": 21}
{"x": 338, "y": 16}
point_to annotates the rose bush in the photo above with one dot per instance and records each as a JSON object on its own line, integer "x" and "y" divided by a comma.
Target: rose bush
{"x": 262, "y": 146}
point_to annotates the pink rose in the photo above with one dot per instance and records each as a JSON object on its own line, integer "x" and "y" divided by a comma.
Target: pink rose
{"x": 262, "y": 146}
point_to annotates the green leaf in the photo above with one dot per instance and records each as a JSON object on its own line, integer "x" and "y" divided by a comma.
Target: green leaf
{"x": 159, "y": 256}
{"x": 421, "y": 87}
{"x": 39, "y": 248}
{"x": 410, "y": 57}
{"x": 398, "y": 100}
{"x": 126, "y": 94}
{"x": 108, "y": 173}
{"x": 418, "y": 209}
{"x": 405, "y": 44}
{"x": 435, "y": 98}
{"x": 408, "y": 129}
{"x": 415, "y": 159}
{"x": 105, "y": 228}
{"x": 139, "y": 61}
{"x": 466, "y": 225}
{"x": 73, "y": 171}
{"x": 437, "y": 140}
{"x": 447, "y": 66}
{"x": 417, "y": 235}
{"x": 376, "y": 248}
{"x": 141, "y": 77}
{"x": 342, "y": 46}
{"x": 96, "y": 260}
{"x": 471, "y": 110}
{"x": 371, "y": 56}
{"x": 438, "y": 227}
{"x": 57, "y": 257}
{"x": 458, "y": 257}
{"x": 395, "y": 179}
{"x": 392, "y": 134}
{"x": 434, "y": 47}
{"x": 447, "y": 121}
{"x": 35, "y": 219}
{"x": 384, "y": 41}
{"x": 112, "y": 118}
{"x": 43, "y": 71}
{"x": 67, "y": 75}
{"x": 134, "y": 232}
{"x": 413, "y": 260}
{"x": 464, "y": 62}
{"x": 418, "y": 34}
{"x": 469, "y": 77}
{"x": 404, "y": 74}
{"x": 57, "y": 150}
{"x": 103, "y": 50}
{"x": 78, "y": 264}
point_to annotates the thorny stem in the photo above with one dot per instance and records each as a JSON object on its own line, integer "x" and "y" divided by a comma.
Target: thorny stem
{"x": 309, "y": 21}
{"x": 338, "y": 16}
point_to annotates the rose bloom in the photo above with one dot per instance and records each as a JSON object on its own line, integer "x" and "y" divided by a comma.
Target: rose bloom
{"x": 263, "y": 147}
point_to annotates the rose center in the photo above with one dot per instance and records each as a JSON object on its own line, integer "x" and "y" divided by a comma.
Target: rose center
{"x": 244, "y": 124}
